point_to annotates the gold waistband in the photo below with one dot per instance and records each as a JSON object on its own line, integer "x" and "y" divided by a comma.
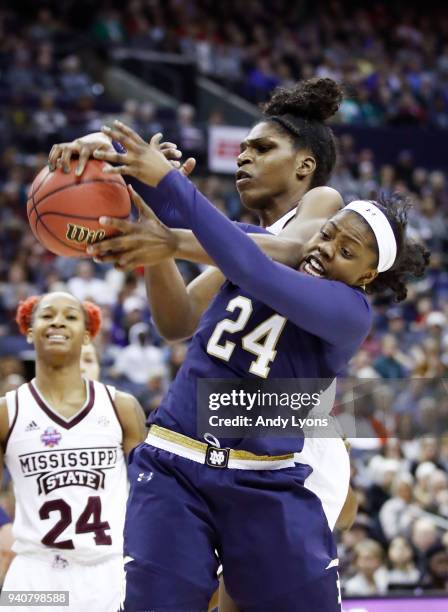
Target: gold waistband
{"x": 185, "y": 441}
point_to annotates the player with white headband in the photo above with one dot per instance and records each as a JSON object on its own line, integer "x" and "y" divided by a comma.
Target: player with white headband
{"x": 301, "y": 320}
{"x": 379, "y": 224}
{"x": 365, "y": 245}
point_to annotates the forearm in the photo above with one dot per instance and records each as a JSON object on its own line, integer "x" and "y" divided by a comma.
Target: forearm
{"x": 163, "y": 208}
{"x": 283, "y": 250}
{"x": 170, "y": 304}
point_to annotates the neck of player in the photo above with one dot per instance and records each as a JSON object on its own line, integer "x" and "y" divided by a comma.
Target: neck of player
{"x": 279, "y": 206}
{"x": 59, "y": 381}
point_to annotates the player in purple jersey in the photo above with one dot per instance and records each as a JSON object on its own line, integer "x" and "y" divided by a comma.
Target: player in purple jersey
{"x": 313, "y": 322}
{"x": 257, "y": 152}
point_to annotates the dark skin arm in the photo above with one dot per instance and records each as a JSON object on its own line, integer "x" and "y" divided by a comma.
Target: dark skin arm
{"x": 348, "y": 512}
{"x": 176, "y": 309}
{"x": 132, "y": 419}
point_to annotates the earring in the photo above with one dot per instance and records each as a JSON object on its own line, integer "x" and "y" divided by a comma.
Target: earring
{"x": 29, "y": 340}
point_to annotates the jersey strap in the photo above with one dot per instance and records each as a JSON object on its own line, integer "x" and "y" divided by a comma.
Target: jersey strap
{"x": 12, "y": 403}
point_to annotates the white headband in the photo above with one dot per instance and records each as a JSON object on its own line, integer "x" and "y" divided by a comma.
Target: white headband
{"x": 387, "y": 245}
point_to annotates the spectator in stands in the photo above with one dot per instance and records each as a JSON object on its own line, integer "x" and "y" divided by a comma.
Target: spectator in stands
{"x": 191, "y": 138}
{"x": 108, "y": 27}
{"x": 424, "y": 535}
{"x": 437, "y": 489}
{"x": 403, "y": 570}
{"x": 48, "y": 122}
{"x": 398, "y": 512}
{"x": 371, "y": 576}
{"x": 146, "y": 122}
{"x": 423, "y": 474}
{"x": 154, "y": 390}
{"x": 75, "y": 83}
{"x": 436, "y": 570}
{"x": 392, "y": 363}
{"x": 17, "y": 288}
{"x": 138, "y": 361}
{"x": 86, "y": 286}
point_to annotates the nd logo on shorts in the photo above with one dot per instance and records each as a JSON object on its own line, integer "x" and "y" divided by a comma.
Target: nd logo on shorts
{"x": 216, "y": 457}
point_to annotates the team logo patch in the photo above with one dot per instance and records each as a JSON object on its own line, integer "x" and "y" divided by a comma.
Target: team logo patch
{"x": 217, "y": 457}
{"x": 51, "y": 437}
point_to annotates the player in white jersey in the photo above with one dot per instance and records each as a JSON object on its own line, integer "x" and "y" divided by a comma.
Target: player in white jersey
{"x": 64, "y": 440}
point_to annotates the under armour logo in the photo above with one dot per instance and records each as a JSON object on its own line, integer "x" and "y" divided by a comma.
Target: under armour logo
{"x": 217, "y": 457}
{"x": 145, "y": 477}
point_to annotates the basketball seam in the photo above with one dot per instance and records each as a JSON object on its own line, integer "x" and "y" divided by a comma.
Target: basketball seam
{"x": 40, "y": 185}
{"x": 56, "y": 237}
{"x": 60, "y": 214}
{"x": 59, "y": 189}
{"x": 34, "y": 206}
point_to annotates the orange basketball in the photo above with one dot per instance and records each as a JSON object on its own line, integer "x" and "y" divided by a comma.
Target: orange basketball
{"x": 63, "y": 209}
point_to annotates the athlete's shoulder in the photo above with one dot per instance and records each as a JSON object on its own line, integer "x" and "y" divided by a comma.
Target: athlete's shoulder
{"x": 125, "y": 401}
{"x": 321, "y": 201}
{"x": 326, "y": 192}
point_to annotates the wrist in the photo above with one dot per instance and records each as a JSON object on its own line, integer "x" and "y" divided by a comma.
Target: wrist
{"x": 178, "y": 241}
{"x": 174, "y": 242}
{"x": 163, "y": 168}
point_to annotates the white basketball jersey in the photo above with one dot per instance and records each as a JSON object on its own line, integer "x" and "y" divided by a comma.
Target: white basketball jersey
{"x": 70, "y": 476}
{"x": 328, "y": 456}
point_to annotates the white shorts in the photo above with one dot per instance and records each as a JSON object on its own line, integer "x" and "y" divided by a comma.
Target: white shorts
{"x": 330, "y": 478}
{"x": 92, "y": 588}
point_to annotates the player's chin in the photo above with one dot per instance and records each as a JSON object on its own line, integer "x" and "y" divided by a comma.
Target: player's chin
{"x": 252, "y": 198}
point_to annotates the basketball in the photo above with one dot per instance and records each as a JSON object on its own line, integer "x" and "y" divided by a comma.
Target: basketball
{"x": 63, "y": 209}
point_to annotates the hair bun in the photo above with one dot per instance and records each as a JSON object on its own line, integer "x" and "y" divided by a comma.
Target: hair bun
{"x": 315, "y": 99}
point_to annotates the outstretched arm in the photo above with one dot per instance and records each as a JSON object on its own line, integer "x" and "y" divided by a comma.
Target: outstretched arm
{"x": 328, "y": 309}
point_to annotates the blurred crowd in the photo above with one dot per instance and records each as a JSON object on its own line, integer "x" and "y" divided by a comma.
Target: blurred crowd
{"x": 399, "y": 73}
{"x": 399, "y": 541}
{"x": 392, "y": 57}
